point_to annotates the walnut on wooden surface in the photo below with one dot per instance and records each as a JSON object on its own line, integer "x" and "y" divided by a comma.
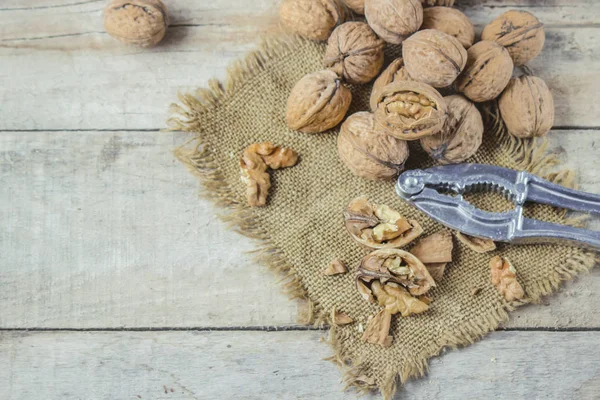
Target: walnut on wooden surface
{"x": 367, "y": 151}
{"x": 139, "y": 22}
{"x": 394, "y": 20}
{"x": 504, "y": 277}
{"x": 312, "y": 19}
{"x": 478, "y": 245}
{"x": 339, "y": 318}
{"x": 520, "y": 32}
{"x": 358, "y": 6}
{"x": 488, "y": 70}
{"x": 394, "y": 72}
{"x": 461, "y": 135}
{"x": 433, "y": 57}
{"x": 254, "y": 165}
{"x": 318, "y": 102}
{"x": 410, "y": 110}
{"x": 433, "y": 3}
{"x": 450, "y": 21}
{"x": 354, "y": 52}
{"x": 377, "y": 226}
{"x": 335, "y": 267}
{"x": 435, "y": 252}
{"x": 527, "y": 107}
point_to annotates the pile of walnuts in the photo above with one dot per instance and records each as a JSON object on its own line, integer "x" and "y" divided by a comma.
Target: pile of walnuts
{"x": 438, "y": 52}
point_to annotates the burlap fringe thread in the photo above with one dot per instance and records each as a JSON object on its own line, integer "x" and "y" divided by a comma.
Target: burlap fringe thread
{"x": 529, "y": 154}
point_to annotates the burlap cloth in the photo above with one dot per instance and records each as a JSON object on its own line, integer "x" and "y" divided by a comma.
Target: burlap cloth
{"x": 301, "y": 230}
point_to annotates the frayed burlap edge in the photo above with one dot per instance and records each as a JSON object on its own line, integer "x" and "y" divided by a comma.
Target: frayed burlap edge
{"x": 530, "y": 155}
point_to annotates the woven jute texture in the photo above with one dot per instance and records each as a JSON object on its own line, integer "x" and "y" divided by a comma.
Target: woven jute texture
{"x": 301, "y": 229}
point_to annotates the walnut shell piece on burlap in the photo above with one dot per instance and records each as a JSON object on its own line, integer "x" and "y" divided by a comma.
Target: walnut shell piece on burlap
{"x": 318, "y": 102}
{"x": 367, "y": 151}
{"x": 433, "y": 57}
{"x": 312, "y": 19}
{"x": 520, "y": 32}
{"x": 504, "y": 278}
{"x": 410, "y": 110}
{"x": 394, "y": 72}
{"x": 139, "y": 22}
{"x": 354, "y": 52}
{"x": 461, "y": 135}
{"x": 358, "y": 6}
{"x": 488, "y": 70}
{"x": 527, "y": 107}
{"x": 394, "y": 20}
{"x": 434, "y": 3}
{"x": 450, "y": 21}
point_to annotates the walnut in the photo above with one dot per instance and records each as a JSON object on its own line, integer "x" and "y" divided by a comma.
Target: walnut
{"x": 461, "y": 135}
{"x": 377, "y": 226}
{"x": 368, "y": 152}
{"x": 254, "y": 164}
{"x": 358, "y": 6}
{"x": 450, "y": 21}
{"x": 394, "y": 72}
{"x": 527, "y": 107}
{"x": 378, "y": 329}
{"x": 435, "y": 252}
{"x": 410, "y": 110}
{"x": 339, "y": 318}
{"x": 432, "y": 3}
{"x": 478, "y": 245}
{"x": 354, "y": 52}
{"x": 488, "y": 70}
{"x": 318, "y": 102}
{"x": 335, "y": 267}
{"x": 433, "y": 57}
{"x": 519, "y": 32}
{"x": 140, "y": 22}
{"x": 313, "y": 19}
{"x": 504, "y": 277}
{"x": 394, "y": 20}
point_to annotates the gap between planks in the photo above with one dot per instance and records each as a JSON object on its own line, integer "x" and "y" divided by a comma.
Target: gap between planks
{"x": 295, "y": 328}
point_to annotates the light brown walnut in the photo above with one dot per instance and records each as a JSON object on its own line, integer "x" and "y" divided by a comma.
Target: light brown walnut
{"x": 433, "y": 3}
{"x": 450, "y": 21}
{"x": 312, "y": 19}
{"x": 394, "y": 20}
{"x": 358, "y": 6}
{"x": 504, "y": 277}
{"x": 139, "y": 22}
{"x": 394, "y": 72}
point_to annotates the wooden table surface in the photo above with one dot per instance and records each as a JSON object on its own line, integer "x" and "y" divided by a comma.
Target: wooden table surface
{"x": 117, "y": 282}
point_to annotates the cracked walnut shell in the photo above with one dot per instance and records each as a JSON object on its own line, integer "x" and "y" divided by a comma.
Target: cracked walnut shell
{"x": 394, "y": 20}
{"x": 354, "y": 52}
{"x": 435, "y": 252}
{"x": 478, "y": 245}
{"x": 450, "y": 21}
{"x": 394, "y": 72}
{"x": 504, "y": 277}
{"x": 318, "y": 102}
{"x": 368, "y": 152}
{"x": 358, "y": 6}
{"x": 140, "y": 22}
{"x": 312, "y": 19}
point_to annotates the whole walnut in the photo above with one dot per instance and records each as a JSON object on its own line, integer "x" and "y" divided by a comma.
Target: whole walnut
{"x": 368, "y": 152}
{"x": 313, "y": 19}
{"x": 140, "y": 22}
{"x": 394, "y": 72}
{"x": 432, "y": 3}
{"x": 318, "y": 102}
{"x": 410, "y": 110}
{"x": 450, "y": 21}
{"x": 394, "y": 20}
{"x": 461, "y": 135}
{"x": 358, "y": 6}
{"x": 527, "y": 107}
{"x": 354, "y": 52}
{"x": 519, "y": 32}
{"x": 488, "y": 70}
{"x": 433, "y": 57}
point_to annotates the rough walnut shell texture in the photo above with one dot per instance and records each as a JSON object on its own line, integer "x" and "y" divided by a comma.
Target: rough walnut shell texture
{"x": 521, "y": 33}
{"x": 461, "y": 135}
{"x": 488, "y": 70}
{"x": 450, "y": 21}
{"x": 433, "y": 3}
{"x": 434, "y": 57}
{"x": 394, "y": 20}
{"x": 354, "y": 52}
{"x": 527, "y": 107}
{"x": 367, "y": 152}
{"x": 318, "y": 102}
{"x": 410, "y": 110}
{"x": 358, "y": 6}
{"x": 140, "y": 22}
{"x": 394, "y": 72}
{"x": 313, "y": 19}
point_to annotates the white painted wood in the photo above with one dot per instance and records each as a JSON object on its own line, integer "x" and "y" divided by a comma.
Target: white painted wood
{"x": 281, "y": 365}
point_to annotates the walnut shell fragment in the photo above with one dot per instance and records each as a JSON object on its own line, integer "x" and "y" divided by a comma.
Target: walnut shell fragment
{"x": 520, "y": 32}
{"x": 450, "y": 21}
{"x": 318, "y": 102}
{"x": 358, "y": 6}
{"x": 394, "y": 72}
{"x": 354, "y": 52}
{"x": 335, "y": 267}
{"x": 339, "y": 318}
{"x": 433, "y": 3}
{"x": 461, "y": 136}
{"x": 312, "y": 19}
{"x": 139, "y": 22}
{"x": 434, "y": 57}
{"x": 435, "y": 251}
{"x": 378, "y": 329}
{"x": 377, "y": 226}
{"x": 478, "y": 245}
{"x": 367, "y": 151}
{"x": 527, "y": 107}
{"x": 394, "y": 20}
{"x": 410, "y": 110}
{"x": 504, "y": 277}
{"x": 254, "y": 165}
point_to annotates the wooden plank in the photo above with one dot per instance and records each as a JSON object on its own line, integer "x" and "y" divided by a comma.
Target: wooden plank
{"x": 288, "y": 365}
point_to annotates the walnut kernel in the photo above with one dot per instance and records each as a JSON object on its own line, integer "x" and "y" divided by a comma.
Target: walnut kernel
{"x": 394, "y": 72}
{"x": 504, "y": 277}
{"x": 140, "y": 22}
